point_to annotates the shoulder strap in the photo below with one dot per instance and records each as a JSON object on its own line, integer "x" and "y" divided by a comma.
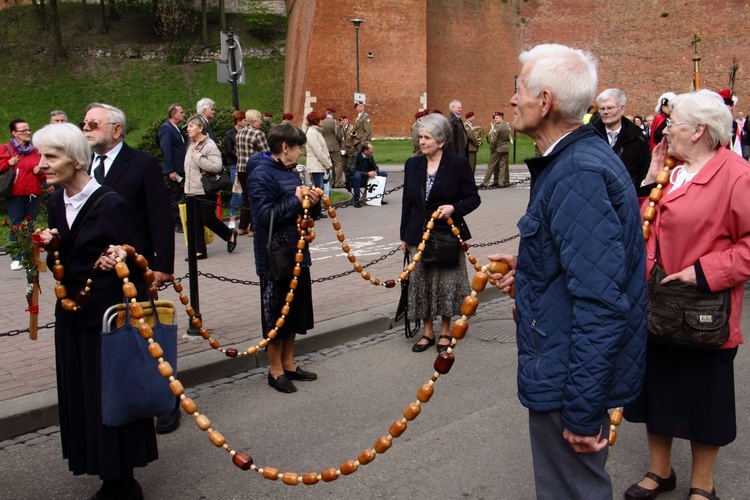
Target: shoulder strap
{"x": 270, "y": 231}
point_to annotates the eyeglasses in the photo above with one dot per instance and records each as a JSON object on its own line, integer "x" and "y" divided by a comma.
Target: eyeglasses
{"x": 24, "y": 131}
{"x": 670, "y": 123}
{"x": 609, "y": 109}
{"x": 93, "y": 124}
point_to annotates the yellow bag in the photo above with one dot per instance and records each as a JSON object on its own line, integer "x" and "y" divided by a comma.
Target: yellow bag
{"x": 164, "y": 309}
{"x": 208, "y": 235}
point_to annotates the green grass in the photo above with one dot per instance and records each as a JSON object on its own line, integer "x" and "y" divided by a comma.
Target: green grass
{"x": 399, "y": 150}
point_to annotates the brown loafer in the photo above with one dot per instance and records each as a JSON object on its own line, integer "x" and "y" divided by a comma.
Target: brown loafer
{"x": 637, "y": 492}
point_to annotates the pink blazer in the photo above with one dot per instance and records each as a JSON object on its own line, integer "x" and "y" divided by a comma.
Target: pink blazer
{"x": 708, "y": 220}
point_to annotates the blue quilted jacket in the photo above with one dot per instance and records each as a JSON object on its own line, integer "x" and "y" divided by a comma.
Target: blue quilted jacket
{"x": 580, "y": 285}
{"x": 271, "y": 187}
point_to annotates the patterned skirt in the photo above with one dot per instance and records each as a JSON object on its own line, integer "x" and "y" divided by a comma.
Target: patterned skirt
{"x": 437, "y": 291}
{"x": 272, "y": 299}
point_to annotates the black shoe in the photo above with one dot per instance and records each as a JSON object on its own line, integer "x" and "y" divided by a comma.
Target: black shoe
{"x": 300, "y": 374}
{"x": 168, "y": 422}
{"x": 136, "y": 493}
{"x": 178, "y": 229}
{"x": 703, "y": 493}
{"x": 232, "y": 243}
{"x": 637, "y": 492}
{"x": 423, "y": 347}
{"x": 281, "y": 383}
{"x": 200, "y": 256}
{"x": 383, "y": 202}
{"x": 443, "y": 347}
{"x": 357, "y": 204}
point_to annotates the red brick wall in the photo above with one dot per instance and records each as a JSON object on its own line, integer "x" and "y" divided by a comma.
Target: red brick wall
{"x": 468, "y": 49}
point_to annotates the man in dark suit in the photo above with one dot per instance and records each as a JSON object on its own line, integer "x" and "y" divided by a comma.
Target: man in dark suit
{"x": 136, "y": 176}
{"x": 457, "y": 143}
{"x": 172, "y": 145}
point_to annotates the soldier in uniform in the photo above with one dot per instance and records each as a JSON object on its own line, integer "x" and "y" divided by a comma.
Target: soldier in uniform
{"x": 349, "y": 149}
{"x": 474, "y": 134}
{"x": 335, "y": 143}
{"x": 361, "y": 130}
{"x": 498, "y": 138}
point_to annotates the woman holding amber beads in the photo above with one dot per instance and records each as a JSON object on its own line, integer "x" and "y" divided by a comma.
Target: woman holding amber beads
{"x": 85, "y": 218}
{"x": 700, "y": 235}
{"x": 275, "y": 189}
{"x": 442, "y": 182}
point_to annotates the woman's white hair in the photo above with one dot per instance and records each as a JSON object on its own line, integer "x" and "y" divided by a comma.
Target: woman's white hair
{"x": 437, "y": 126}
{"x": 707, "y": 108}
{"x": 569, "y": 74}
{"x": 66, "y": 137}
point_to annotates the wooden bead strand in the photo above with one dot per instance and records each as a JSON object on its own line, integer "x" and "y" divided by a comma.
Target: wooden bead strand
{"x": 649, "y": 214}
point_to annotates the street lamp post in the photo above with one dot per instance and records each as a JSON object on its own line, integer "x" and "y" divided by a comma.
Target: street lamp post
{"x": 356, "y": 23}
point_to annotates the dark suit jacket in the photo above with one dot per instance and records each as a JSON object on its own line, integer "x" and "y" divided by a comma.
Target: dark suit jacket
{"x": 173, "y": 149}
{"x": 112, "y": 222}
{"x": 457, "y": 143}
{"x": 136, "y": 176}
{"x": 454, "y": 185}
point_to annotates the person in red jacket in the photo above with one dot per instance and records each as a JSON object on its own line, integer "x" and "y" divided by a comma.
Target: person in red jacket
{"x": 21, "y": 155}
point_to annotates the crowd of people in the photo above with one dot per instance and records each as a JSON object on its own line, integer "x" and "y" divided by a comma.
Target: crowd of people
{"x": 583, "y": 275}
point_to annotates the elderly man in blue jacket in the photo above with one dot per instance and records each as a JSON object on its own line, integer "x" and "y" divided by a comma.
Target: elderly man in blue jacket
{"x": 579, "y": 278}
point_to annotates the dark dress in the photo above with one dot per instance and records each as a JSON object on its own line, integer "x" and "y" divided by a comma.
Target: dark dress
{"x": 90, "y": 446}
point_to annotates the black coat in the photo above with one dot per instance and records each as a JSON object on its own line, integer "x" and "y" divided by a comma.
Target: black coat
{"x": 457, "y": 143}
{"x": 454, "y": 185}
{"x": 136, "y": 176}
{"x": 632, "y": 148}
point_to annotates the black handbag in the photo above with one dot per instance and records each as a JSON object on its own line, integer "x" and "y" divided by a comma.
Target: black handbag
{"x": 680, "y": 315}
{"x": 442, "y": 249}
{"x": 214, "y": 183}
{"x": 279, "y": 254}
{"x": 402, "y": 310}
{"x": 7, "y": 178}
{"x": 132, "y": 386}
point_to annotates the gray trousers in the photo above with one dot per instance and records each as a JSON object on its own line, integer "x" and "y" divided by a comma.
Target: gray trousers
{"x": 560, "y": 472}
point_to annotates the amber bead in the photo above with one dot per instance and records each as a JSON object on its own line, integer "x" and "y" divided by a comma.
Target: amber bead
{"x": 473, "y": 261}
{"x": 263, "y": 343}
{"x": 279, "y": 323}
{"x": 145, "y": 330}
{"x": 329, "y": 475}
{"x": 382, "y": 444}
{"x": 189, "y": 310}
{"x": 366, "y": 456}
{"x": 304, "y": 224}
{"x": 390, "y": 283}
{"x": 290, "y": 478}
{"x": 456, "y": 231}
{"x": 348, "y": 467}
{"x": 189, "y": 406}
{"x": 128, "y": 249}
{"x": 136, "y": 310}
{"x": 670, "y": 162}
{"x": 214, "y": 343}
{"x": 646, "y": 232}
{"x": 310, "y": 478}
{"x": 512, "y": 291}
{"x": 296, "y": 272}
{"x": 149, "y": 276}
{"x": 176, "y": 387}
{"x": 231, "y": 353}
{"x": 417, "y": 257}
{"x": 403, "y": 275}
{"x": 421, "y": 246}
{"x": 331, "y": 212}
{"x": 411, "y": 411}
{"x": 498, "y": 267}
{"x": 310, "y": 236}
{"x": 69, "y": 304}
{"x": 289, "y": 297}
{"x": 306, "y": 204}
{"x": 153, "y": 292}
{"x": 336, "y": 225}
{"x": 430, "y": 225}
{"x": 340, "y": 236}
{"x": 352, "y": 258}
{"x": 217, "y": 439}
{"x": 411, "y": 267}
{"x": 425, "y": 236}
{"x": 285, "y": 309}
{"x": 649, "y": 214}
{"x": 165, "y": 369}
{"x": 58, "y": 272}
{"x": 479, "y": 282}
{"x": 202, "y": 422}
{"x": 184, "y": 299}
{"x": 122, "y": 270}
{"x": 469, "y": 306}
{"x": 615, "y": 417}
{"x": 655, "y": 195}
{"x": 425, "y": 393}
{"x": 270, "y": 473}
{"x": 242, "y": 460}
{"x": 464, "y": 246}
{"x": 435, "y": 215}
{"x": 196, "y": 322}
{"x": 155, "y": 350}
{"x": 83, "y": 298}
{"x": 61, "y": 292}
{"x": 345, "y": 247}
{"x": 365, "y": 275}
{"x": 612, "y": 436}
{"x": 177, "y": 287}
{"x": 251, "y": 350}
{"x": 129, "y": 290}
{"x": 459, "y": 328}
{"x": 375, "y": 281}
{"x": 444, "y": 362}
{"x": 205, "y": 333}
{"x": 449, "y": 221}
{"x": 662, "y": 177}
{"x": 301, "y": 244}
{"x": 397, "y": 428}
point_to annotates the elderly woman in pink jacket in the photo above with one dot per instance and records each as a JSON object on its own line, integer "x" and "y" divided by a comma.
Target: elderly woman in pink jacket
{"x": 700, "y": 236}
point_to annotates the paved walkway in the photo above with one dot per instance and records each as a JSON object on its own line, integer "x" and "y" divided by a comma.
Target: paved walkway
{"x": 345, "y": 307}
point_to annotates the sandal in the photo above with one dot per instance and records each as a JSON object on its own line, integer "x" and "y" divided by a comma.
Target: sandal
{"x": 703, "y": 493}
{"x": 444, "y": 347}
{"x": 638, "y": 492}
{"x": 423, "y": 347}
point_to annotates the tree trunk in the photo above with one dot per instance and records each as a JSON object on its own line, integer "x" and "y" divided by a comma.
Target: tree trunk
{"x": 204, "y": 23}
{"x": 41, "y": 13}
{"x": 103, "y": 7}
{"x": 58, "y": 49}
{"x": 86, "y": 22}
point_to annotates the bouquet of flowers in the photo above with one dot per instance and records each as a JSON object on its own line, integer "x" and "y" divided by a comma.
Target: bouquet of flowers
{"x": 25, "y": 247}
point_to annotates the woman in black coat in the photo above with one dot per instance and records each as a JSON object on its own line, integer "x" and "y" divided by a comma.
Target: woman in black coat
{"x": 444, "y": 182}
{"x": 96, "y": 218}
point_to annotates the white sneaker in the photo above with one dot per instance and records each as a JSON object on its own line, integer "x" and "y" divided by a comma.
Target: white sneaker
{"x": 16, "y": 265}
{"x": 232, "y": 224}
